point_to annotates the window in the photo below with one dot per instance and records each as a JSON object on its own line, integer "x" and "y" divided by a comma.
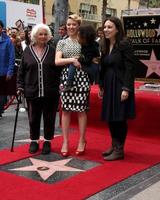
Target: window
{"x": 111, "y": 12}
{"x": 149, "y": 4}
{"x": 87, "y": 9}
{"x": 89, "y": 12}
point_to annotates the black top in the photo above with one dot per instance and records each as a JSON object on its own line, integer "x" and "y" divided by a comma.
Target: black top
{"x": 18, "y": 55}
{"x": 88, "y": 52}
{"x": 122, "y": 61}
{"x": 39, "y": 77}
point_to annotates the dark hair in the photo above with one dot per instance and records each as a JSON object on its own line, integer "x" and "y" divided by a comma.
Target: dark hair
{"x": 14, "y": 28}
{"x": 1, "y": 24}
{"x": 63, "y": 25}
{"x": 99, "y": 29}
{"x": 27, "y": 39}
{"x": 119, "y": 36}
{"x": 87, "y": 32}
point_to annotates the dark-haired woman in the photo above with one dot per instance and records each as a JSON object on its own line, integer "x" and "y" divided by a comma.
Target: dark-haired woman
{"x": 117, "y": 86}
{"x": 27, "y": 40}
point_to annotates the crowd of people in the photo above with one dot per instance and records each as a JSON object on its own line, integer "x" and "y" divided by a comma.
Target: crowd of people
{"x": 50, "y": 73}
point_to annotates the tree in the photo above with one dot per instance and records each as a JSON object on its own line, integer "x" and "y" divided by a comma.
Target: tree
{"x": 154, "y": 3}
{"x": 61, "y": 14}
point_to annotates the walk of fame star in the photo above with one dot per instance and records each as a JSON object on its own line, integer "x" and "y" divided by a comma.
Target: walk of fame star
{"x": 145, "y": 24}
{"x": 46, "y": 169}
{"x": 153, "y": 65}
{"x": 29, "y": 140}
{"x": 153, "y": 21}
{"x": 158, "y": 31}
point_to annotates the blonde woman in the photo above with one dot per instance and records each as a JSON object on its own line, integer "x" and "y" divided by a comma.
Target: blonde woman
{"x": 77, "y": 99}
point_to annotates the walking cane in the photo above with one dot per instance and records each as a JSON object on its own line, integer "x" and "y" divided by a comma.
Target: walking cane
{"x": 15, "y": 122}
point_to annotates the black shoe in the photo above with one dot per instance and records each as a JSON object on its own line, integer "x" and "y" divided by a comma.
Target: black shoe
{"x": 46, "y": 147}
{"x": 34, "y": 147}
{"x": 108, "y": 152}
{"x": 115, "y": 155}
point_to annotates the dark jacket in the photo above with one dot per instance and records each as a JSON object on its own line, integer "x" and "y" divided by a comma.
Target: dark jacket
{"x": 7, "y": 56}
{"x": 18, "y": 56}
{"x": 88, "y": 52}
{"x": 117, "y": 74}
{"x": 39, "y": 78}
{"x": 123, "y": 62}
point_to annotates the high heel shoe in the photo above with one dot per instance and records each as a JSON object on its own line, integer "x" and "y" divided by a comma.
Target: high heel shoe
{"x": 65, "y": 153}
{"x": 81, "y": 152}
{"x": 64, "y": 150}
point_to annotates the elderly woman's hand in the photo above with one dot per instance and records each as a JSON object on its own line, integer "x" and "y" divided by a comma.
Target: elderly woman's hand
{"x": 19, "y": 92}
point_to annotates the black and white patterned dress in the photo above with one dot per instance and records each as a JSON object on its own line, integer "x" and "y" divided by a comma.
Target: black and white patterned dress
{"x": 77, "y": 99}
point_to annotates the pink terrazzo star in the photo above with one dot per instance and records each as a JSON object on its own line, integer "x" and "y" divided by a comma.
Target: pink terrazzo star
{"x": 29, "y": 140}
{"x": 153, "y": 65}
{"x": 46, "y": 169}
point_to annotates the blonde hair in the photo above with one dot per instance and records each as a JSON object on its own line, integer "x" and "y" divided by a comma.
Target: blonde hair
{"x": 38, "y": 28}
{"x": 76, "y": 18}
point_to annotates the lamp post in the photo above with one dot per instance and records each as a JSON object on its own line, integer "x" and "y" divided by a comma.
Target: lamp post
{"x": 129, "y": 6}
{"x": 148, "y": 4}
{"x": 43, "y": 11}
{"x": 61, "y": 14}
{"x": 104, "y": 7}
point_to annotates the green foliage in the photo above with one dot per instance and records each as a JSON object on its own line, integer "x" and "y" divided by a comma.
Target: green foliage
{"x": 154, "y": 3}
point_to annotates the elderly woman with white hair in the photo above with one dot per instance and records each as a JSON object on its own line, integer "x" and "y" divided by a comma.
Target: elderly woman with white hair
{"x": 38, "y": 78}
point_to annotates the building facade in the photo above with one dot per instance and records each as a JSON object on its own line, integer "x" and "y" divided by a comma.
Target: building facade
{"x": 90, "y": 10}
{"x": 115, "y": 7}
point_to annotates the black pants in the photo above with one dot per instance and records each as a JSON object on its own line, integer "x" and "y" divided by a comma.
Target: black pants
{"x": 37, "y": 106}
{"x": 2, "y": 103}
{"x": 118, "y": 130}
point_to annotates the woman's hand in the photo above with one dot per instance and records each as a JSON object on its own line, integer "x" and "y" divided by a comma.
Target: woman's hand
{"x": 76, "y": 63}
{"x": 100, "y": 93}
{"x": 124, "y": 95}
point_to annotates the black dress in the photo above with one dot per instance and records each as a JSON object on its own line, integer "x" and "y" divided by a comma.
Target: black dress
{"x": 117, "y": 74}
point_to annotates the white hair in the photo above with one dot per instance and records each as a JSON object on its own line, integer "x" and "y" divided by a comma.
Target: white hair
{"x": 38, "y": 28}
